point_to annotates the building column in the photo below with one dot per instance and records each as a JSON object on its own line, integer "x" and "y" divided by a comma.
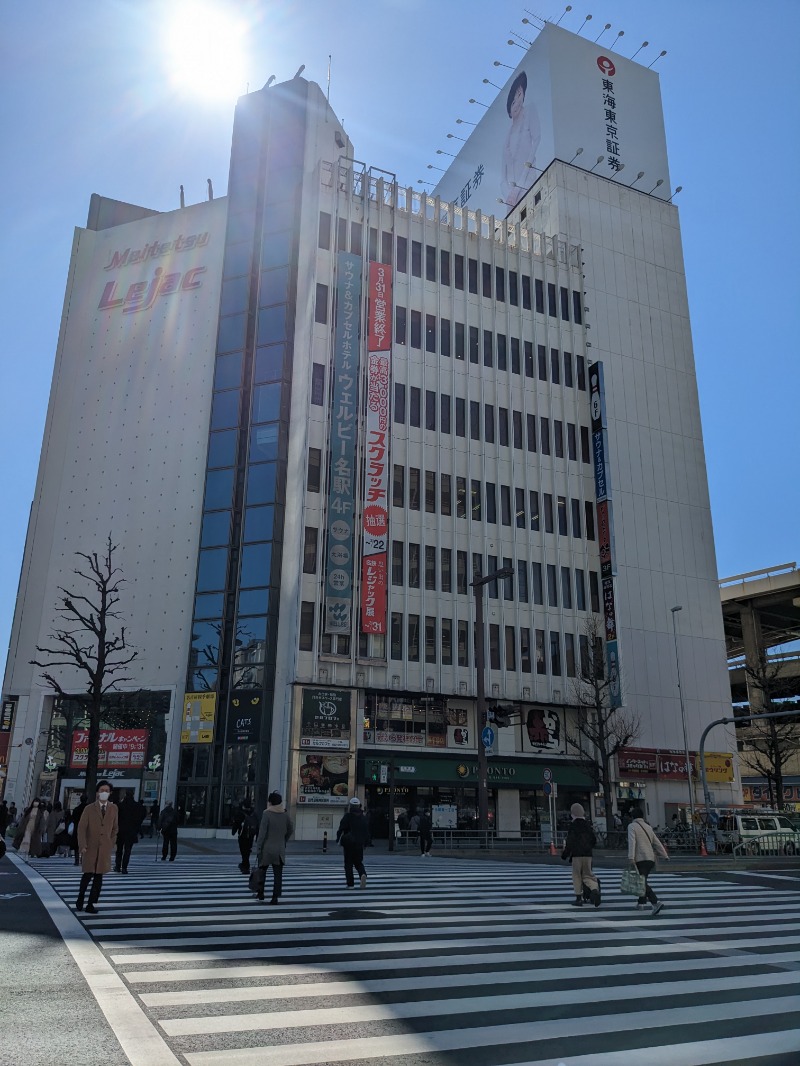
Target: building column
{"x": 752, "y": 640}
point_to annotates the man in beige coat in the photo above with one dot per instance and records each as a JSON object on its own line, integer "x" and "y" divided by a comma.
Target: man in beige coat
{"x": 97, "y": 836}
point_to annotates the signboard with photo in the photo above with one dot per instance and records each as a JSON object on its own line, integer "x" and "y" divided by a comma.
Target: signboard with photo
{"x": 323, "y": 778}
{"x": 118, "y": 748}
{"x": 325, "y": 719}
{"x": 543, "y": 730}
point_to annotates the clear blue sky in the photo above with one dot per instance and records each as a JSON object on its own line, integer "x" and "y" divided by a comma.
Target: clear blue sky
{"x": 88, "y": 105}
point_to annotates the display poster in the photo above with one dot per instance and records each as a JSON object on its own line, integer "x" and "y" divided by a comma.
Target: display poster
{"x": 323, "y": 779}
{"x": 119, "y": 748}
{"x": 543, "y": 730}
{"x": 245, "y": 710}
{"x": 325, "y": 718}
{"x": 199, "y": 712}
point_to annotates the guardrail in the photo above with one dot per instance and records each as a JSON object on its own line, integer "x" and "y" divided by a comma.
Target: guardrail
{"x": 767, "y": 844}
{"x": 476, "y": 840}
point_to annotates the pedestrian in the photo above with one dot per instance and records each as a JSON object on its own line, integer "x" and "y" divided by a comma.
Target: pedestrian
{"x": 74, "y": 822}
{"x": 578, "y": 847}
{"x": 353, "y": 835}
{"x": 130, "y": 819}
{"x": 275, "y": 829}
{"x": 413, "y": 827}
{"x": 168, "y": 827}
{"x": 155, "y": 814}
{"x": 425, "y": 833}
{"x": 12, "y": 813}
{"x": 32, "y": 824}
{"x": 5, "y": 818}
{"x": 245, "y": 827}
{"x": 55, "y": 821}
{"x": 642, "y": 847}
{"x": 97, "y": 835}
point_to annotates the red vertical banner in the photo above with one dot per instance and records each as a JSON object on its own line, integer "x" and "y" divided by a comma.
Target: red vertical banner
{"x": 375, "y": 513}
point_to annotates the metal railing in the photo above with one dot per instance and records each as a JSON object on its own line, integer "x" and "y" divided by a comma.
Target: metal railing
{"x": 524, "y": 842}
{"x": 774, "y": 844}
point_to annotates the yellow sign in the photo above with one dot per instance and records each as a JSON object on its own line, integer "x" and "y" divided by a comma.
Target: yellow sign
{"x": 719, "y": 766}
{"x": 199, "y": 711}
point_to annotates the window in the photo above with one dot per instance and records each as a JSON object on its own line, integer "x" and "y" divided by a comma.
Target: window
{"x": 473, "y": 344}
{"x": 528, "y": 350}
{"x": 558, "y": 437}
{"x": 461, "y": 572}
{"x": 446, "y": 555}
{"x": 463, "y": 644}
{"x": 430, "y": 491}
{"x": 216, "y": 529}
{"x": 513, "y": 288}
{"x": 594, "y": 591}
{"x": 306, "y": 626}
{"x": 502, "y": 352}
{"x": 525, "y": 650}
{"x": 585, "y": 452}
{"x": 386, "y": 247}
{"x": 494, "y": 647}
{"x": 555, "y": 366}
{"x": 491, "y": 502}
{"x": 473, "y": 275}
{"x": 539, "y": 284}
{"x": 430, "y": 639}
{"x": 580, "y": 590}
{"x": 515, "y": 363}
{"x": 583, "y": 645}
{"x": 430, "y": 262}
{"x": 564, "y": 293}
{"x": 562, "y": 516}
{"x": 310, "y": 550}
{"x": 589, "y": 510}
{"x": 486, "y": 279}
{"x": 505, "y": 505}
{"x": 569, "y": 654}
{"x": 572, "y": 442}
{"x": 400, "y": 324}
{"x": 444, "y": 337}
{"x": 413, "y": 637}
{"x": 575, "y": 506}
{"x": 461, "y": 497}
{"x": 541, "y": 358}
{"x": 536, "y": 584}
{"x": 551, "y": 299}
{"x": 416, "y": 259}
{"x": 555, "y": 654}
{"x": 225, "y": 410}
{"x": 544, "y": 435}
{"x": 511, "y": 649}
{"x": 488, "y": 423}
{"x": 541, "y": 662}
{"x": 533, "y": 502}
{"x": 413, "y": 565}
{"x": 398, "y": 561}
{"x": 566, "y": 588}
{"x": 324, "y": 232}
{"x": 500, "y": 284}
{"x": 459, "y": 271}
{"x": 475, "y": 500}
{"x": 516, "y": 422}
{"x": 444, "y": 267}
{"x": 508, "y": 582}
{"x": 445, "y": 481}
{"x": 228, "y": 371}
{"x": 580, "y": 372}
{"x": 492, "y": 567}
{"x": 415, "y": 403}
{"x": 530, "y": 421}
{"x": 447, "y": 642}
{"x": 548, "y": 512}
{"x": 474, "y": 420}
{"x": 552, "y": 587}
{"x": 519, "y": 508}
{"x": 577, "y": 310}
{"x": 460, "y": 349}
{"x": 444, "y": 413}
{"x": 402, "y": 259}
{"x": 461, "y": 417}
{"x": 430, "y": 333}
{"x": 356, "y": 238}
{"x": 314, "y": 474}
{"x": 430, "y": 409}
{"x": 397, "y": 630}
{"x": 522, "y": 581}
{"x": 416, "y": 329}
{"x": 399, "y": 486}
{"x": 413, "y": 488}
{"x": 568, "y": 370}
{"x": 373, "y": 244}
{"x": 430, "y": 569}
{"x": 318, "y": 384}
{"x": 488, "y": 348}
{"x": 321, "y": 305}
{"x": 502, "y": 426}
{"x": 399, "y": 402}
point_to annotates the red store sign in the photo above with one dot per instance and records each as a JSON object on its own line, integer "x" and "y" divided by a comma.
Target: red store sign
{"x": 124, "y": 748}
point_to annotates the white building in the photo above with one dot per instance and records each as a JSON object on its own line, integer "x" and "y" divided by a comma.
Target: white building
{"x": 337, "y": 401}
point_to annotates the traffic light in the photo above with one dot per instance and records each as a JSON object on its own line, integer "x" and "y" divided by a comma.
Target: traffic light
{"x": 502, "y": 716}
{"x": 374, "y": 772}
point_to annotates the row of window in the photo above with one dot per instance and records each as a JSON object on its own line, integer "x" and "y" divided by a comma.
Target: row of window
{"x": 460, "y": 272}
{"x": 480, "y": 500}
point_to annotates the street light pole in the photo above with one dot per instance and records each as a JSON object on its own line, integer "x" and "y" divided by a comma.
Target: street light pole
{"x": 480, "y": 668}
{"x": 674, "y": 611}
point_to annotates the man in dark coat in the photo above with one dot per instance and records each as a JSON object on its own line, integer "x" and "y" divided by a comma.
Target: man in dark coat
{"x": 168, "y": 827}
{"x": 4, "y": 818}
{"x": 578, "y": 847}
{"x": 245, "y": 826}
{"x": 425, "y": 833}
{"x": 74, "y": 819}
{"x": 97, "y": 835}
{"x": 131, "y": 815}
{"x": 353, "y": 835}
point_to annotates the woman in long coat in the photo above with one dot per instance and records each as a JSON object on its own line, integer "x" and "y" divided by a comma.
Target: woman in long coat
{"x": 32, "y": 824}
{"x": 275, "y": 829}
{"x": 97, "y": 837}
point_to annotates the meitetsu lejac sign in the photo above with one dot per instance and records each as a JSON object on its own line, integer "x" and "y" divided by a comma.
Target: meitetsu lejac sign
{"x": 566, "y": 93}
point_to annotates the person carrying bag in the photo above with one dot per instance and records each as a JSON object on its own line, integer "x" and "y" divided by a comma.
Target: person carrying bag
{"x": 642, "y": 847}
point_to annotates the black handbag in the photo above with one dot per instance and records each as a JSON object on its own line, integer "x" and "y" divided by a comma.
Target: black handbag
{"x": 258, "y": 876}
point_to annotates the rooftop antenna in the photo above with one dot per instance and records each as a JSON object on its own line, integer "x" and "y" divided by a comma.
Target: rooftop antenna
{"x": 644, "y": 44}
{"x": 269, "y": 81}
{"x": 210, "y": 189}
{"x": 300, "y": 70}
{"x": 523, "y": 39}
{"x": 183, "y": 201}
{"x": 566, "y": 11}
{"x": 328, "y": 94}
{"x": 539, "y": 18}
{"x": 587, "y": 19}
{"x": 663, "y": 52}
{"x": 600, "y": 34}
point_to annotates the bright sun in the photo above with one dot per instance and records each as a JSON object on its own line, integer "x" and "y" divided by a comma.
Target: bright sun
{"x": 205, "y": 50}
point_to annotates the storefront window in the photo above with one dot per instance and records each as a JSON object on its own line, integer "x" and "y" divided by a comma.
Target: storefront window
{"x": 416, "y": 722}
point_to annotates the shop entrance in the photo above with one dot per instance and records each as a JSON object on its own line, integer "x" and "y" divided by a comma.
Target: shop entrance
{"x": 452, "y": 808}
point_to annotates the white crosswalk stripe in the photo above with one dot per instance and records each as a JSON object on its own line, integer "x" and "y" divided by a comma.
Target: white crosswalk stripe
{"x": 451, "y": 962}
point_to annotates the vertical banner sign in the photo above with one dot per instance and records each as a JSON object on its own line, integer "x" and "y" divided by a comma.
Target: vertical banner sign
{"x": 344, "y": 423}
{"x": 375, "y": 519}
{"x": 605, "y": 526}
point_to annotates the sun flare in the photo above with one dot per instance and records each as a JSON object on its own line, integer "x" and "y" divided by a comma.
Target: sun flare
{"x": 205, "y": 51}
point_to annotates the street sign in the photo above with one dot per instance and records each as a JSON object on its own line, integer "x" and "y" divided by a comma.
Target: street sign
{"x": 384, "y": 774}
{"x": 547, "y": 774}
{"x": 487, "y": 736}
{"x": 547, "y": 788}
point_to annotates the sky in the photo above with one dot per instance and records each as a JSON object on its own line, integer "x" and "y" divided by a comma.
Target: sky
{"x": 100, "y": 96}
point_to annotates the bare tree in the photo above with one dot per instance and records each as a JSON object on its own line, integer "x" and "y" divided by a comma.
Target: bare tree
{"x": 86, "y": 643}
{"x": 600, "y": 728}
{"x": 771, "y": 743}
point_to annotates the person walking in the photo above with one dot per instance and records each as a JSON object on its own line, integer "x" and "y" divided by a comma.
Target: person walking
{"x": 642, "y": 847}
{"x": 155, "y": 814}
{"x": 75, "y": 822}
{"x": 5, "y": 818}
{"x": 32, "y": 824}
{"x": 130, "y": 815}
{"x": 275, "y": 829}
{"x": 12, "y": 813}
{"x": 168, "y": 827}
{"x": 578, "y": 847}
{"x": 97, "y": 835}
{"x": 425, "y": 833}
{"x": 245, "y": 827}
{"x": 55, "y": 820}
{"x": 353, "y": 835}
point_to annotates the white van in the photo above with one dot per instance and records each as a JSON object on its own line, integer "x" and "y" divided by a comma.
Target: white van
{"x": 771, "y": 833}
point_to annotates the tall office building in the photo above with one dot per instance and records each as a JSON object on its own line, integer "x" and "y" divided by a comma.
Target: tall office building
{"x": 311, "y": 412}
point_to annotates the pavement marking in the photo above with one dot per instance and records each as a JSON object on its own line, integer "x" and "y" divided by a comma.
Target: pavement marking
{"x": 757, "y": 873}
{"x": 138, "y": 1037}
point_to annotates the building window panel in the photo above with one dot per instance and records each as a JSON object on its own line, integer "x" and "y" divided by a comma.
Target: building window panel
{"x": 459, "y": 272}
{"x": 416, "y": 329}
{"x": 400, "y": 324}
{"x": 475, "y": 500}
{"x": 461, "y": 417}
{"x": 502, "y": 352}
{"x": 494, "y": 647}
{"x": 314, "y": 475}
{"x": 594, "y": 591}
{"x": 568, "y": 382}
{"x": 256, "y": 565}
{"x": 473, "y": 344}
{"x": 586, "y": 456}
{"x": 488, "y": 348}
{"x": 413, "y": 488}
{"x": 552, "y": 586}
{"x": 474, "y": 420}
{"x": 222, "y": 448}
{"x": 555, "y": 366}
{"x": 430, "y": 262}
{"x": 413, "y": 638}
{"x": 544, "y": 435}
{"x": 526, "y": 292}
{"x": 399, "y": 486}
{"x": 580, "y": 590}
{"x": 505, "y": 505}
{"x": 576, "y": 518}
{"x": 211, "y": 569}
{"x": 321, "y": 305}
{"x": 446, "y": 492}
{"x": 541, "y": 661}
{"x": 515, "y": 360}
{"x": 399, "y": 403}
{"x": 555, "y": 654}
{"x": 463, "y": 644}
{"x": 306, "y": 626}
{"x": 551, "y": 300}
{"x": 491, "y": 503}
{"x": 528, "y": 355}
{"x": 562, "y": 517}
{"x": 446, "y": 555}
{"x": 539, "y": 287}
{"x": 414, "y": 407}
{"x": 397, "y": 636}
{"x": 461, "y": 497}
{"x": 444, "y": 337}
{"x": 430, "y": 568}
{"x": 572, "y": 442}
{"x": 580, "y": 372}
{"x": 502, "y": 426}
{"x": 460, "y": 343}
{"x": 225, "y": 409}
{"x": 589, "y": 513}
{"x": 402, "y": 255}
{"x": 461, "y": 573}
{"x": 566, "y": 588}
{"x": 541, "y": 360}
{"x": 430, "y": 409}
{"x": 522, "y": 581}
{"x": 444, "y": 413}
{"x": 447, "y": 642}
{"x": 430, "y": 491}
{"x": 398, "y": 561}
{"x": 519, "y": 508}
{"x": 569, "y": 654}
{"x": 413, "y": 565}
{"x": 536, "y": 584}
{"x": 310, "y": 550}
{"x": 430, "y": 333}
{"x": 525, "y": 663}
{"x": 317, "y": 385}
{"x": 416, "y": 259}
{"x": 219, "y": 488}
{"x": 548, "y": 512}
{"x": 430, "y": 639}
{"x": 511, "y": 648}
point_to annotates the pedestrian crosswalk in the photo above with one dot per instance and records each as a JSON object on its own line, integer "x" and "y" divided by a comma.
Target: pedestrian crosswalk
{"x": 452, "y": 961}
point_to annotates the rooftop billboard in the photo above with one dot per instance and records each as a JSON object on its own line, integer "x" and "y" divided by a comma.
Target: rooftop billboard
{"x": 567, "y": 93}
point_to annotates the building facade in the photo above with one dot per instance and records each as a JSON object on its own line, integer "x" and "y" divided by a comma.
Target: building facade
{"x": 312, "y": 412}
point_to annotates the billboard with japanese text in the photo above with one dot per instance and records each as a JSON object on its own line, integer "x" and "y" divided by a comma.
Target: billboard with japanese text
{"x": 118, "y": 747}
{"x": 566, "y": 93}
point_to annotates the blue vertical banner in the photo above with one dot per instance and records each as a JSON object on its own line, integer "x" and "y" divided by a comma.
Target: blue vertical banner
{"x": 343, "y": 443}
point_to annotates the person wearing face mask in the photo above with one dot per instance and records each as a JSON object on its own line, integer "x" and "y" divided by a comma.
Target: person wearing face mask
{"x": 28, "y": 840}
{"x": 97, "y": 836}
